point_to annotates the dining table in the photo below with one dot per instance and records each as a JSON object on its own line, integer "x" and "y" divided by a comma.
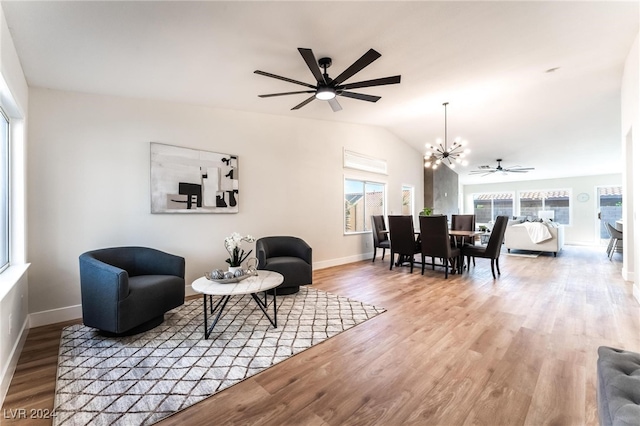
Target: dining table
{"x": 458, "y": 237}
{"x": 453, "y": 233}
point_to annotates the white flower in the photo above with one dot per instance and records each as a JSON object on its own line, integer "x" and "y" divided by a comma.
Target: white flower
{"x": 233, "y": 243}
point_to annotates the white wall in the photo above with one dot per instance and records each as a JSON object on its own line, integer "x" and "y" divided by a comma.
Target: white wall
{"x": 583, "y": 214}
{"x": 630, "y": 124}
{"x": 13, "y": 281}
{"x": 89, "y": 185}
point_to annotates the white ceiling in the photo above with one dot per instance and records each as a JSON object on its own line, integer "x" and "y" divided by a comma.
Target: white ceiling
{"x": 487, "y": 59}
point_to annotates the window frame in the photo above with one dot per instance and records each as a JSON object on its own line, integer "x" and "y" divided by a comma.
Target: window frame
{"x": 5, "y": 192}
{"x": 412, "y": 199}
{"x": 364, "y": 181}
{"x": 569, "y": 197}
{"x": 493, "y": 215}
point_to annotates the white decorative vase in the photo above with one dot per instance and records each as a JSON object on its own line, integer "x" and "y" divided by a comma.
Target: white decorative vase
{"x": 233, "y": 269}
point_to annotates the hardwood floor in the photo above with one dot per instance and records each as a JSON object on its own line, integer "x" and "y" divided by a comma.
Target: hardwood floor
{"x": 519, "y": 350}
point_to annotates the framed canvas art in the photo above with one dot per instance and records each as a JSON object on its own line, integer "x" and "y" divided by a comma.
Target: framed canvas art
{"x": 185, "y": 180}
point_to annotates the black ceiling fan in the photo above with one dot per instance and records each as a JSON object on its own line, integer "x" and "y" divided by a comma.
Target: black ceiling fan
{"x": 327, "y": 88}
{"x": 487, "y": 170}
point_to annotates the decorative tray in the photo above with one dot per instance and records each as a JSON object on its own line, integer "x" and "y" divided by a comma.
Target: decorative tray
{"x": 228, "y": 280}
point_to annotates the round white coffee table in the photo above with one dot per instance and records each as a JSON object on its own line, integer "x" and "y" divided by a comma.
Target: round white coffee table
{"x": 265, "y": 280}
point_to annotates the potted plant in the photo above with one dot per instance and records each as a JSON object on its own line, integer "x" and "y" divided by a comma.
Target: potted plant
{"x": 236, "y": 254}
{"x": 427, "y": 211}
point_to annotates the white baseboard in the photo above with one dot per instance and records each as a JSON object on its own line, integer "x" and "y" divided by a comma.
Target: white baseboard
{"x": 7, "y": 375}
{"x": 636, "y": 292}
{"x": 53, "y": 316}
{"x": 342, "y": 260}
{"x": 69, "y": 313}
{"x": 188, "y": 291}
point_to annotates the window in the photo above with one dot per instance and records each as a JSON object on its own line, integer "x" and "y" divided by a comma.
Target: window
{"x": 362, "y": 199}
{"x": 4, "y": 191}
{"x": 407, "y": 200}
{"x": 556, "y": 200}
{"x": 487, "y": 206}
{"x": 610, "y": 203}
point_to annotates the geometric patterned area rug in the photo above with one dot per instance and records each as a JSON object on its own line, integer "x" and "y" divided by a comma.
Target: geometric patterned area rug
{"x": 138, "y": 380}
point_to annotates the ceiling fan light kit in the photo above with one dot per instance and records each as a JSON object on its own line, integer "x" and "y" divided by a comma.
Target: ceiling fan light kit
{"x": 325, "y": 93}
{"x": 326, "y": 88}
{"x": 442, "y": 154}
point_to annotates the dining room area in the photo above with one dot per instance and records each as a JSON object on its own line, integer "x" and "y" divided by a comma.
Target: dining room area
{"x": 437, "y": 241}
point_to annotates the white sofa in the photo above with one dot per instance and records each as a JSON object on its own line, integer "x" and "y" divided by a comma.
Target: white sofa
{"x": 517, "y": 237}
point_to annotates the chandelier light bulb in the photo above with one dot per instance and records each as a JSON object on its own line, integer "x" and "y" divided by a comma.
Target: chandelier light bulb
{"x": 427, "y": 164}
{"x": 466, "y": 151}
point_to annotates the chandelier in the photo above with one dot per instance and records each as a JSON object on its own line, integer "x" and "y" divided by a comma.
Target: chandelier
{"x": 442, "y": 154}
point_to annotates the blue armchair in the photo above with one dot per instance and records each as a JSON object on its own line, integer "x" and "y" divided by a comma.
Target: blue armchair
{"x": 127, "y": 290}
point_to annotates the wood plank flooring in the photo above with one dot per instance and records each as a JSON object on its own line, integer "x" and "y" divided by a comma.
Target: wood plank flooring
{"x": 469, "y": 350}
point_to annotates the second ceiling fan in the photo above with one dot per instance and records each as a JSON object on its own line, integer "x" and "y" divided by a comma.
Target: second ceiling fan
{"x": 487, "y": 170}
{"x": 326, "y": 88}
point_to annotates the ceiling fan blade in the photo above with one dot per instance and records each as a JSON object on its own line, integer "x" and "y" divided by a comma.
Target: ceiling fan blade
{"x": 483, "y": 172}
{"x": 310, "y": 59}
{"x": 357, "y": 66}
{"x": 285, "y": 93}
{"x": 361, "y": 96}
{"x": 335, "y": 105}
{"x": 303, "y": 103}
{"x": 266, "y": 74}
{"x": 370, "y": 83}
{"x": 520, "y": 169}
{"x": 516, "y": 171}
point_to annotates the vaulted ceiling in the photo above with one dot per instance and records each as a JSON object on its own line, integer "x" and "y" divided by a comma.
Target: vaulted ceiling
{"x": 534, "y": 83}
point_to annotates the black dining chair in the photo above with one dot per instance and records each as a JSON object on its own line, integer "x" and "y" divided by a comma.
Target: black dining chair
{"x": 492, "y": 249}
{"x": 403, "y": 242}
{"x": 464, "y": 222}
{"x": 435, "y": 242}
{"x": 380, "y": 237}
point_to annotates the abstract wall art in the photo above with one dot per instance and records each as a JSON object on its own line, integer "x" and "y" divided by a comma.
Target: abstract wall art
{"x": 185, "y": 180}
